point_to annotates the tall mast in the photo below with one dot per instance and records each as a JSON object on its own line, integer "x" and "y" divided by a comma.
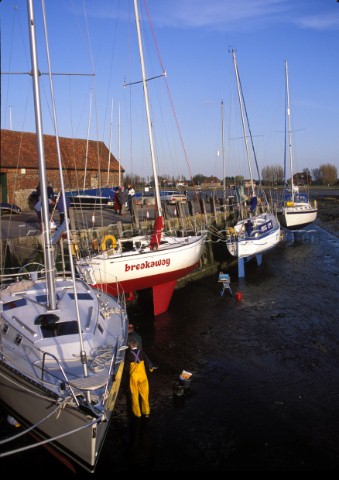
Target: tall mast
{"x": 223, "y": 145}
{"x": 241, "y": 100}
{"x": 289, "y": 128}
{"x": 48, "y": 248}
{"x": 110, "y": 144}
{"x": 88, "y": 130}
{"x": 149, "y": 123}
{"x": 119, "y": 145}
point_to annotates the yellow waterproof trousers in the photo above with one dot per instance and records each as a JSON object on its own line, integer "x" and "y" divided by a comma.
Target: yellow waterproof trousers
{"x": 139, "y": 386}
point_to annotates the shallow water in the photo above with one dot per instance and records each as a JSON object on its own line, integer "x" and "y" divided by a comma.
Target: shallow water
{"x": 264, "y": 391}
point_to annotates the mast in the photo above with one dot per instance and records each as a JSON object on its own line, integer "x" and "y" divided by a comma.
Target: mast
{"x": 119, "y": 145}
{"x": 47, "y": 241}
{"x": 88, "y": 129}
{"x": 241, "y": 100}
{"x": 223, "y": 146}
{"x": 110, "y": 144}
{"x": 10, "y": 118}
{"x": 149, "y": 123}
{"x": 48, "y": 247}
{"x": 289, "y": 129}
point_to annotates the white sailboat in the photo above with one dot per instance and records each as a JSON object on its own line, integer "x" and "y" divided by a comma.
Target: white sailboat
{"x": 154, "y": 261}
{"x": 259, "y": 232}
{"x": 62, "y": 342}
{"x": 296, "y": 210}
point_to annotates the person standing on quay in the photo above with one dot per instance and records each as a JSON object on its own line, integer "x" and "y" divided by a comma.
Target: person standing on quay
{"x": 122, "y": 197}
{"x": 138, "y": 381}
{"x": 131, "y": 193}
{"x": 116, "y": 203}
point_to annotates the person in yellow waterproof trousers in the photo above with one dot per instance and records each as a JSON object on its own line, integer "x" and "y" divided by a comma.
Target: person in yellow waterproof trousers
{"x": 138, "y": 381}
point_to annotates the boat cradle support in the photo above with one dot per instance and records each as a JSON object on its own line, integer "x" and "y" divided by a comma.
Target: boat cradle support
{"x": 241, "y": 264}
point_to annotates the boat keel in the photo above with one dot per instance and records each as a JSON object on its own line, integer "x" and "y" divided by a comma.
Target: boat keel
{"x": 162, "y": 295}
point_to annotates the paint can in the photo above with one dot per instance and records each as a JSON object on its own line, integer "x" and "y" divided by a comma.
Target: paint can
{"x": 238, "y": 297}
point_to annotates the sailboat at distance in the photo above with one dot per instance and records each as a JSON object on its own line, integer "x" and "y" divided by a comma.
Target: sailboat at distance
{"x": 296, "y": 210}
{"x": 259, "y": 232}
{"x": 154, "y": 261}
{"x": 62, "y": 342}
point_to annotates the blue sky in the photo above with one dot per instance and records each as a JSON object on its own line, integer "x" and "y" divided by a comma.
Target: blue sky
{"x": 192, "y": 38}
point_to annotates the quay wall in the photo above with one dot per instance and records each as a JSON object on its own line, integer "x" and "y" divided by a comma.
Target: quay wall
{"x": 28, "y": 248}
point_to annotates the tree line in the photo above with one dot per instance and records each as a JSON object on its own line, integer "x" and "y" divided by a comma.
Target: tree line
{"x": 326, "y": 174}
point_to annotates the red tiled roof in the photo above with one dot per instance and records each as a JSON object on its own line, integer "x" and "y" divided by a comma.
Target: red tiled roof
{"x": 19, "y": 150}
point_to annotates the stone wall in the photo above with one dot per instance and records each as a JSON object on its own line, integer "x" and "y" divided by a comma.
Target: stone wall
{"x": 21, "y": 198}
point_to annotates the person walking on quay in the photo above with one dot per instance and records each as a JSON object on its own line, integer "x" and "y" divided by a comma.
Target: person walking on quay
{"x": 138, "y": 381}
{"x": 50, "y": 195}
{"x": 123, "y": 197}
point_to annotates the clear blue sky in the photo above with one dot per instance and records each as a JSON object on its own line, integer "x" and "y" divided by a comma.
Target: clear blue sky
{"x": 193, "y": 38}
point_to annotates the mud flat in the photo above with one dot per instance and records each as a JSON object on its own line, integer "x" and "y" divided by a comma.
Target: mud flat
{"x": 264, "y": 389}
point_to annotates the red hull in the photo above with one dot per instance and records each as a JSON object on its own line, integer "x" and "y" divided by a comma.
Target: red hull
{"x": 163, "y": 287}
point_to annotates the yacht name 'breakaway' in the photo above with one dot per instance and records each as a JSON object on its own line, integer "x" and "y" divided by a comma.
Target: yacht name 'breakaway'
{"x": 141, "y": 266}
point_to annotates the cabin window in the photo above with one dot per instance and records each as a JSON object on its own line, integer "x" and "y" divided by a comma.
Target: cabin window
{"x": 81, "y": 296}
{"x": 60, "y": 329}
{"x": 20, "y": 302}
{"x": 43, "y": 298}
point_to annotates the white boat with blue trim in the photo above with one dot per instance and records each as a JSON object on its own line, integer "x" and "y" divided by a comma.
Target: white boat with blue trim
{"x": 259, "y": 232}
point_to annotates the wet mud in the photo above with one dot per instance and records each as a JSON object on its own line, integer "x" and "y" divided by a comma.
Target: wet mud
{"x": 264, "y": 391}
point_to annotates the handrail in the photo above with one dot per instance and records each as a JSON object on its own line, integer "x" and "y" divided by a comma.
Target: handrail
{"x": 62, "y": 371}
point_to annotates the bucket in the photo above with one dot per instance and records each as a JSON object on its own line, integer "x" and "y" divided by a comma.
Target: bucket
{"x": 185, "y": 383}
{"x": 238, "y": 297}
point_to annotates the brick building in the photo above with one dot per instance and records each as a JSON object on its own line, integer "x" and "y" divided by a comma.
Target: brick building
{"x": 19, "y": 174}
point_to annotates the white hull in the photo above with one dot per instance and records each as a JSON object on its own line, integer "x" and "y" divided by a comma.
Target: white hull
{"x": 298, "y": 216}
{"x": 264, "y": 236}
{"x": 134, "y": 266}
{"x": 34, "y": 388}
